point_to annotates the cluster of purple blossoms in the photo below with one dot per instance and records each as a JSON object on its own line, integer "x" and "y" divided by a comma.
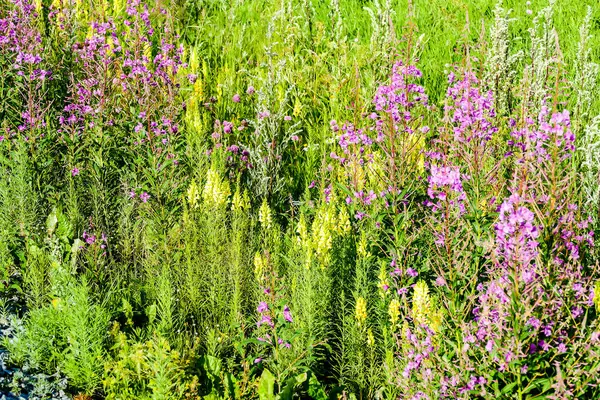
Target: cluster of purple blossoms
{"x": 388, "y": 133}
{"x": 398, "y": 120}
{"x": 91, "y": 239}
{"x": 516, "y": 249}
{"x": 264, "y": 312}
{"x": 573, "y": 235}
{"x": 451, "y": 387}
{"x": 144, "y": 196}
{"x": 534, "y": 140}
{"x": 265, "y": 318}
{"x": 420, "y": 349}
{"x": 401, "y": 279}
{"x": 400, "y": 96}
{"x": 354, "y": 144}
{"x": 516, "y": 238}
{"x": 120, "y": 58}
{"x": 446, "y": 190}
{"x": 472, "y": 112}
{"x": 21, "y": 40}
{"x": 21, "y": 48}
{"x": 237, "y": 157}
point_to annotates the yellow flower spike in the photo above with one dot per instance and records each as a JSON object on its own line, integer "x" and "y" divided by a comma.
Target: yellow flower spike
{"x": 302, "y": 230}
{"x": 259, "y": 264}
{"x": 361, "y": 311}
{"x": 240, "y": 202}
{"x": 294, "y": 284}
{"x": 90, "y": 32}
{"x": 216, "y": 191}
{"x": 205, "y": 69}
{"x": 422, "y": 308}
{"x": 394, "y": 311}
{"x": 193, "y": 61}
{"x": 193, "y": 194}
{"x": 236, "y": 201}
{"x": 322, "y": 239}
{"x": 148, "y": 51}
{"x": 199, "y": 90}
{"x": 56, "y": 302}
{"x": 362, "y": 247}
{"x": 297, "y": 108}
{"x": 344, "y": 225}
{"x": 264, "y": 215}
{"x": 117, "y": 7}
{"x": 417, "y": 147}
{"x": 370, "y": 338}
{"x": 105, "y": 8}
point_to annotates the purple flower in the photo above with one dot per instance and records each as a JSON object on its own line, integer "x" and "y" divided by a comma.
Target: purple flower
{"x": 75, "y": 171}
{"x": 227, "y": 126}
{"x": 262, "y": 307}
{"x": 89, "y": 239}
{"x": 286, "y": 314}
{"x": 144, "y": 197}
{"x": 236, "y": 98}
{"x": 287, "y": 118}
{"x": 266, "y": 319}
{"x": 250, "y": 90}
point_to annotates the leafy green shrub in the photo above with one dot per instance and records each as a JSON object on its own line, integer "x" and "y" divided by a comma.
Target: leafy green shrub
{"x": 68, "y": 335}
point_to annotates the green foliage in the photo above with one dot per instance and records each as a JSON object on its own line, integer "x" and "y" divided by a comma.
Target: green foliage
{"x": 143, "y": 370}
{"x": 68, "y": 335}
{"x": 180, "y": 167}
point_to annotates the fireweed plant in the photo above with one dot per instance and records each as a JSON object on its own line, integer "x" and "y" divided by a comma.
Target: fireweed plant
{"x": 299, "y": 199}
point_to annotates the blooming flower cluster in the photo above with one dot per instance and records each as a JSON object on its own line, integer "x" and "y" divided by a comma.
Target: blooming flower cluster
{"x": 516, "y": 239}
{"x": 446, "y": 189}
{"x": 471, "y": 111}
{"x": 535, "y": 139}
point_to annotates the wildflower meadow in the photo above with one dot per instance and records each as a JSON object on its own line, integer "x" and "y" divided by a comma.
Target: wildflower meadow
{"x": 299, "y": 199}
